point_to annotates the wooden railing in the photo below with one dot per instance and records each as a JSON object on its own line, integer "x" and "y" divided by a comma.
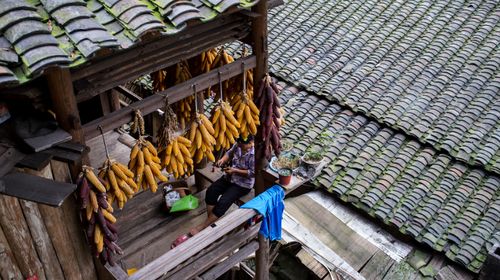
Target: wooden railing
{"x": 200, "y": 255}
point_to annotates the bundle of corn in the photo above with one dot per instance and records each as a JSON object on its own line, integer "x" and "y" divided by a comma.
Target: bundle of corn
{"x": 174, "y": 148}
{"x": 271, "y": 117}
{"x": 144, "y": 161}
{"x": 247, "y": 114}
{"x": 159, "y": 80}
{"x": 225, "y": 126}
{"x": 200, "y": 135}
{"x": 98, "y": 220}
{"x": 183, "y": 108}
{"x": 119, "y": 182}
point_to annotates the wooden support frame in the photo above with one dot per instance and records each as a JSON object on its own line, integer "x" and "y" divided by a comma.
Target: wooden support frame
{"x": 214, "y": 253}
{"x": 234, "y": 259}
{"x": 175, "y": 93}
{"x": 186, "y": 250}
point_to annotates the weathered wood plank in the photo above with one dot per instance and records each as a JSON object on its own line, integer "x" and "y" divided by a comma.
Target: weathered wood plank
{"x": 34, "y": 188}
{"x": 8, "y": 158}
{"x": 341, "y": 239}
{"x": 8, "y": 265}
{"x": 117, "y": 272}
{"x": 378, "y": 266}
{"x": 315, "y": 266}
{"x": 42, "y": 242}
{"x": 61, "y": 173}
{"x": 19, "y": 238}
{"x": 36, "y": 161}
{"x": 234, "y": 259}
{"x": 57, "y": 229}
{"x": 175, "y": 93}
{"x": 187, "y": 249}
{"x": 214, "y": 254}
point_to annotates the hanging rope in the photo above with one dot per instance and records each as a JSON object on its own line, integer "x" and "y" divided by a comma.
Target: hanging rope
{"x": 220, "y": 85}
{"x": 104, "y": 141}
{"x": 195, "y": 99}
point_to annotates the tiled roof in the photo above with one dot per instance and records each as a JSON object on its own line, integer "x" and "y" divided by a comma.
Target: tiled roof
{"x": 428, "y": 68}
{"x": 428, "y": 195}
{"x": 36, "y": 34}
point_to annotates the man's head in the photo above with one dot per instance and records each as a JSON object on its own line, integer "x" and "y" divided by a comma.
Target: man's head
{"x": 245, "y": 143}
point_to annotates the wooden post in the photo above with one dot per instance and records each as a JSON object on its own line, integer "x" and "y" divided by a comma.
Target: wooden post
{"x": 43, "y": 244}
{"x": 64, "y": 102}
{"x": 19, "y": 238}
{"x": 259, "y": 38}
{"x": 57, "y": 228}
{"x": 61, "y": 173}
{"x": 65, "y": 106}
{"x": 8, "y": 265}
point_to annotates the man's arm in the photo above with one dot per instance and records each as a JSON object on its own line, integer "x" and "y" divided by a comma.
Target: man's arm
{"x": 227, "y": 156}
{"x": 244, "y": 172}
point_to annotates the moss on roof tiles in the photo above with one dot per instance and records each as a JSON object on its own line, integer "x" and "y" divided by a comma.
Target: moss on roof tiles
{"x": 429, "y": 68}
{"x": 423, "y": 192}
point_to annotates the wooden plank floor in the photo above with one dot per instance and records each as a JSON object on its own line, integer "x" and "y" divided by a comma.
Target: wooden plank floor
{"x": 146, "y": 231}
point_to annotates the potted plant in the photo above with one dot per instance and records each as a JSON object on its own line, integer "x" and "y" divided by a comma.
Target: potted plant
{"x": 314, "y": 154}
{"x": 285, "y": 176}
{"x": 286, "y": 146}
{"x": 312, "y": 157}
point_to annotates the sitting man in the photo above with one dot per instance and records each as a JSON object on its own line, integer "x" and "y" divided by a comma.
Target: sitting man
{"x": 237, "y": 182}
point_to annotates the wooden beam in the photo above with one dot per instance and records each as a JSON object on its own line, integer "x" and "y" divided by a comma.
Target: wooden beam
{"x": 175, "y": 93}
{"x": 64, "y": 102}
{"x": 122, "y": 57}
{"x": 157, "y": 59}
{"x": 234, "y": 259}
{"x": 217, "y": 252}
{"x": 114, "y": 98}
{"x": 259, "y": 38}
{"x": 186, "y": 250}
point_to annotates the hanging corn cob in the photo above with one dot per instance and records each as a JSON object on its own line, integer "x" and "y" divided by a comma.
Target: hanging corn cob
{"x": 225, "y": 125}
{"x": 119, "y": 182}
{"x": 183, "y": 108}
{"x": 270, "y": 117}
{"x": 173, "y": 148}
{"x": 98, "y": 221}
{"x": 207, "y": 60}
{"x": 200, "y": 135}
{"x": 159, "y": 80}
{"x": 247, "y": 114}
{"x": 144, "y": 161}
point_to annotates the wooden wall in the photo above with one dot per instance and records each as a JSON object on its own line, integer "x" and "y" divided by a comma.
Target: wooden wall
{"x": 43, "y": 241}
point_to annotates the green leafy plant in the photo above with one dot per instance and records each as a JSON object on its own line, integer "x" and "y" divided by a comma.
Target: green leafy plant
{"x": 317, "y": 151}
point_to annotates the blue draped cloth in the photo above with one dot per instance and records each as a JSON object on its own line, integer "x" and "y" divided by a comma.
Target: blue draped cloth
{"x": 270, "y": 205}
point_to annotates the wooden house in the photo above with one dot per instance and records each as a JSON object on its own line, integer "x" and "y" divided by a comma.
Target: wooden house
{"x": 71, "y": 57}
